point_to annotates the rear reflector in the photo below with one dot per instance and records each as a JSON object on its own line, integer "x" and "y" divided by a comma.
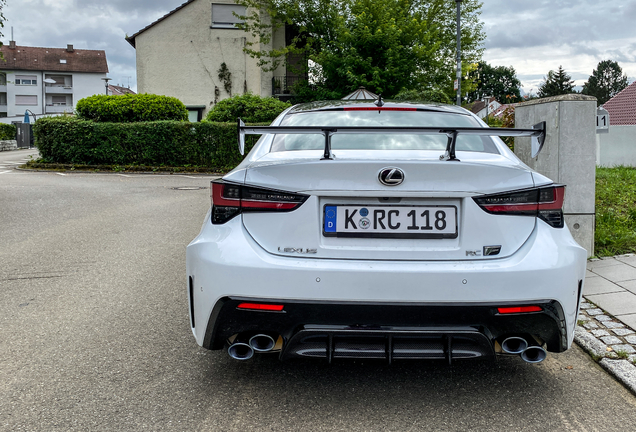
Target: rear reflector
{"x": 519, "y": 309}
{"x": 545, "y": 203}
{"x": 260, "y": 307}
{"x": 229, "y": 199}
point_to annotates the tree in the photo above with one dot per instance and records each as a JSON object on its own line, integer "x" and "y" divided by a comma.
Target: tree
{"x": 3, "y": 3}
{"x": 498, "y": 81}
{"x": 606, "y": 81}
{"x": 383, "y": 45}
{"x": 556, "y": 83}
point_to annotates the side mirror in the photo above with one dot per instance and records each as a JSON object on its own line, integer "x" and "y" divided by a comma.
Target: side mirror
{"x": 241, "y": 136}
{"x": 536, "y": 141}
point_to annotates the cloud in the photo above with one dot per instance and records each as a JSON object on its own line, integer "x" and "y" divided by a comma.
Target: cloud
{"x": 87, "y": 24}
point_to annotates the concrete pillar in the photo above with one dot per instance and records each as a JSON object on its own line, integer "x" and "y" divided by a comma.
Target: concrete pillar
{"x": 568, "y": 156}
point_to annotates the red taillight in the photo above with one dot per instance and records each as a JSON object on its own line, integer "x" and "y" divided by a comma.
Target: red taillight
{"x": 519, "y": 309}
{"x": 379, "y": 109}
{"x": 229, "y": 199}
{"x": 545, "y": 203}
{"x": 261, "y": 307}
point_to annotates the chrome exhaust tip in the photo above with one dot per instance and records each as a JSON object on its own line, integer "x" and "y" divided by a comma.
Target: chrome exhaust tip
{"x": 240, "y": 351}
{"x": 514, "y": 345}
{"x": 262, "y": 343}
{"x": 534, "y": 354}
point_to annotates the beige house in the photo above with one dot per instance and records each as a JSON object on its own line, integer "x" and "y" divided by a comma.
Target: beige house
{"x": 180, "y": 55}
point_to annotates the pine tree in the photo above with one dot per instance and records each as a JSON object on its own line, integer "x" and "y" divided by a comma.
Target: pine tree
{"x": 606, "y": 81}
{"x": 556, "y": 83}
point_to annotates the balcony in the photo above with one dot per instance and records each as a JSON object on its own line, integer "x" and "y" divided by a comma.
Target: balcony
{"x": 58, "y": 108}
{"x": 3, "y": 88}
{"x": 3, "y": 107}
{"x": 282, "y": 86}
{"x": 58, "y": 89}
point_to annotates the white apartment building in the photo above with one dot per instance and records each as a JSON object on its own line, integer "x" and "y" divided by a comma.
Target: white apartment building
{"x": 48, "y": 81}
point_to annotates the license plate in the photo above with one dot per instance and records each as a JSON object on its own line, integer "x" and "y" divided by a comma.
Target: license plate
{"x": 390, "y": 221}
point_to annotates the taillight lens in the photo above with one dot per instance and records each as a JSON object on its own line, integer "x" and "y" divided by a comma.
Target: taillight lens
{"x": 545, "y": 203}
{"x": 229, "y": 199}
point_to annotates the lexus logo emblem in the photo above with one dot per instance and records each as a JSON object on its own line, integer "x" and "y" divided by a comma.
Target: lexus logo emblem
{"x": 391, "y": 176}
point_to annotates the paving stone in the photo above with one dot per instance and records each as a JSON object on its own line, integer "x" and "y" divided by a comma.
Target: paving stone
{"x": 583, "y": 318}
{"x": 626, "y": 348}
{"x": 602, "y": 318}
{"x": 631, "y": 339}
{"x": 613, "y": 325}
{"x": 599, "y": 285}
{"x": 601, "y": 263}
{"x": 617, "y": 273}
{"x": 631, "y": 260}
{"x": 599, "y": 333}
{"x": 586, "y": 305}
{"x": 629, "y": 319}
{"x": 611, "y": 340}
{"x": 590, "y": 325}
{"x": 632, "y": 358}
{"x": 589, "y": 343}
{"x": 594, "y": 312}
{"x": 623, "y": 331}
{"x": 629, "y": 285}
{"x": 623, "y": 370}
{"x": 618, "y": 303}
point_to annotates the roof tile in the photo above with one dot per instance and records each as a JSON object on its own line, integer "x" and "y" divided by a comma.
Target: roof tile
{"x": 48, "y": 59}
{"x": 622, "y": 107}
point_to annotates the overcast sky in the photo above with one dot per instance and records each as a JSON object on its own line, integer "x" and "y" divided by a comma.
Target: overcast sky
{"x": 533, "y": 36}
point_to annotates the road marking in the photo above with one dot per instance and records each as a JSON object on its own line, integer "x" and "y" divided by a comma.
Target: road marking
{"x": 14, "y": 163}
{"x": 4, "y": 172}
{"x": 124, "y": 175}
{"x": 60, "y": 174}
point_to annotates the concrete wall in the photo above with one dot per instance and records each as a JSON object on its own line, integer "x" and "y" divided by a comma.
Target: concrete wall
{"x": 181, "y": 55}
{"x": 618, "y": 147}
{"x": 568, "y": 156}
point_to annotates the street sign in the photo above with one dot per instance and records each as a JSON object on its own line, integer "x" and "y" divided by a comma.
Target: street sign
{"x": 455, "y": 85}
{"x": 602, "y": 120}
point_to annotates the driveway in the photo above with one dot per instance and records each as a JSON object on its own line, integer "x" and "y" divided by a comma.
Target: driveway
{"x": 94, "y": 335}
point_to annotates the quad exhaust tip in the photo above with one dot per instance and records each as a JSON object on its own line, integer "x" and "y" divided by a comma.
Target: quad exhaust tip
{"x": 514, "y": 345}
{"x": 262, "y": 343}
{"x": 534, "y": 354}
{"x": 240, "y": 351}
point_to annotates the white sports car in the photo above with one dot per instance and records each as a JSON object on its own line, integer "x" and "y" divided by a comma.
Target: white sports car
{"x": 384, "y": 231}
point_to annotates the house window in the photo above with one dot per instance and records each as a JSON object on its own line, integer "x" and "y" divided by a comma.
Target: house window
{"x": 29, "y": 100}
{"x": 58, "y": 100}
{"x": 26, "y": 80}
{"x": 223, "y": 16}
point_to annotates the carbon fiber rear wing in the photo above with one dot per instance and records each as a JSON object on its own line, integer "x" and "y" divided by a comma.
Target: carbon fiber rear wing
{"x": 537, "y": 134}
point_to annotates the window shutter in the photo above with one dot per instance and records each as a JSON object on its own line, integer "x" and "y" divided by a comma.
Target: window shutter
{"x": 222, "y": 15}
{"x": 31, "y": 100}
{"x": 26, "y": 77}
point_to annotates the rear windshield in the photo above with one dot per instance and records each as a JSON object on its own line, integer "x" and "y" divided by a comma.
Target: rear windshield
{"x": 388, "y": 141}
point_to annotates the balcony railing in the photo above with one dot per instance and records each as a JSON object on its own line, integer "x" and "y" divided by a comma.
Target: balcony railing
{"x": 58, "y": 108}
{"x": 59, "y": 89}
{"x": 283, "y": 85}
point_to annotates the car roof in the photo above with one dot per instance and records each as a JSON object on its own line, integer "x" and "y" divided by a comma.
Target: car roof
{"x": 342, "y": 104}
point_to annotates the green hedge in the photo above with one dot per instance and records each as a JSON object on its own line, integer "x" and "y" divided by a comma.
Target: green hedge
{"x": 249, "y": 107}
{"x": 130, "y": 108}
{"x": 170, "y": 143}
{"x": 7, "y": 131}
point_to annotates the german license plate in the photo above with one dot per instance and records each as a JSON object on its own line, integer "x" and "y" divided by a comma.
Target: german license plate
{"x": 390, "y": 221}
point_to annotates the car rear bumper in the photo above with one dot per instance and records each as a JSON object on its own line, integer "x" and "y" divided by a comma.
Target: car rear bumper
{"x": 385, "y": 331}
{"x": 225, "y": 263}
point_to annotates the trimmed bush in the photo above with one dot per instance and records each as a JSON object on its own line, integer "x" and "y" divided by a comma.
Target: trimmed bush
{"x": 130, "y": 108}
{"x": 169, "y": 143}
{"x": 249, "y": 107}
{"x": 7, "y": 131}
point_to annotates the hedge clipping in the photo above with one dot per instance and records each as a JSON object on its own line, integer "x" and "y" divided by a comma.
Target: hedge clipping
{"x": 130, "y": 108}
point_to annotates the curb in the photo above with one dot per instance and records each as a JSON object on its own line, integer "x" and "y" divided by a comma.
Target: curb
{"x": 68, "y": 171}
{"x": 609, "y": 342}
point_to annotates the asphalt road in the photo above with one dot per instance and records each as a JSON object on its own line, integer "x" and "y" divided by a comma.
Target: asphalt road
{"x": 94, "y": 335}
